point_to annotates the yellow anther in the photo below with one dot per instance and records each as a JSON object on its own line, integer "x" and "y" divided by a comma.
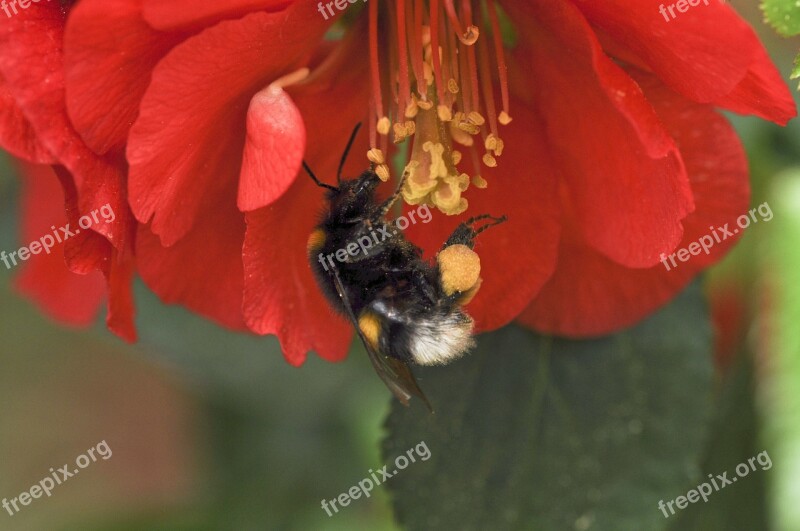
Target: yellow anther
{"x": 444, "y": 113}
{"x": 425, "y": 105}
{"x": 452, "y": 86}
{"x": 504, "y": 118}
{"x": 412, "y": 108}
{"x": 400, "y": 132}
{"x": 475, "y": 117}
{"x": 384, "y": 125}
{"x": 459, "y": 136}
{"x": 489, "y": 160}
{"x": 467, "y": 127}
{"x": 470, "y": 36}
{"x": 498, "y": 149}
{"x": 375, "y": 156}
{"x": 382, "y": 171}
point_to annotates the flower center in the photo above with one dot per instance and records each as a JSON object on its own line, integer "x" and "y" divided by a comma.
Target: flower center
{"x": 438, "y": 78}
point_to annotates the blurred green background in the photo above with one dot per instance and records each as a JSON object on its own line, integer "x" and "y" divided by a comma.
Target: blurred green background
{"x": 213, "y": 430}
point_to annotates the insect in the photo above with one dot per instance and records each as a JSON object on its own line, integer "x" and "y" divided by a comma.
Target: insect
{"x": 405, "y": 309}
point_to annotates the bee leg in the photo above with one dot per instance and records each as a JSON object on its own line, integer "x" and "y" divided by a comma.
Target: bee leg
{"x": 466, "y": 233}
{"x": 422, "y": 283}
{"x": 387, "y": 205}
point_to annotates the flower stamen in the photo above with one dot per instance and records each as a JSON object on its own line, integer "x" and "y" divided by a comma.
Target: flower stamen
{"x": 441, "y": 82}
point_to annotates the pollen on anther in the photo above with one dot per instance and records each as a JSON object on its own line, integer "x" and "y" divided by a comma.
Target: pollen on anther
{"x": 382, "y": 171}
{"x": 384, "y": 125}
{"x": 375, "y": 156}
{"x": 479, "y": 182}
{"x": 476, "y": 118}
{"x": 504, "y": 118}
{"x": 452, "y": 86}
{"x": 412, "y": 108}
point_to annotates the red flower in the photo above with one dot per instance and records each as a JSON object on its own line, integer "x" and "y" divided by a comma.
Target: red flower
{"x": 615, "y": 154}
{"x": 34, "y": 125}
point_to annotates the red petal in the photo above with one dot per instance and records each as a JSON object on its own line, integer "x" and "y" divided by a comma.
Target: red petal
{"x": 63, "y": 295}
{"x": 624, "y": 173}
{"x": 703, "y": 53}
{"x": 31, "y": 62}
{"x": 187, "y": 143}
{"x": 518, "y": 257}
{"x": 281, "y": 294}
{"x": 88, "y": 251}
{"x": 591, "y": 295}
{"x": 203, "y": 271}
{"x": 16, "y": 134}
{"x": 193, "y": 14}
{"x": 273, "y": 152}
{"x": 108, "y": 68}
{"x": 762, "y": 92}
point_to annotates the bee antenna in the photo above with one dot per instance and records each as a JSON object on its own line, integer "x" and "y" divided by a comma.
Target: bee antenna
{"x": 317, "y": 181}
{"x": 347, "y": 151}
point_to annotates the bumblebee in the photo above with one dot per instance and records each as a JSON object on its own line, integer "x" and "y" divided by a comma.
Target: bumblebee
{"x": 405, "y": 309}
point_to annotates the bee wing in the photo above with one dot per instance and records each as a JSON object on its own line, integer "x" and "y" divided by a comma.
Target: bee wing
{"x": 395, "y": 374}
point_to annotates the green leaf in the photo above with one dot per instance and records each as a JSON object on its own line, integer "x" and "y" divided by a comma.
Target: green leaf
{"x": 532, "y": 432}
{"x": 742, "y": 505}
{"x": 783, "y": 15}
{"x": 796, "y": 69}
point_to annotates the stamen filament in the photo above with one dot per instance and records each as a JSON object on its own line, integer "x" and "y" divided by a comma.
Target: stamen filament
{"x": 486, "y": 85}
{"x": 466, "y": 6}
{"x": 440, "y": 93}
{"x": 502, "y": 70}
{"x": 416, "y": 50}
{"x": 435, "y": 55}
{"x": 402, "y": 53}
{"x": 374, "y": 65}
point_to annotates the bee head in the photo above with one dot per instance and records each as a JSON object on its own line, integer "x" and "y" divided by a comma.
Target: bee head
{"x": 354, "y": 199}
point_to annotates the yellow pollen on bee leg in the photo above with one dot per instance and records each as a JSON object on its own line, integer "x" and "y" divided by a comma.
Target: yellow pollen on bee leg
{"x": 460, "y": 268}
{"x": 470, "y": 293}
